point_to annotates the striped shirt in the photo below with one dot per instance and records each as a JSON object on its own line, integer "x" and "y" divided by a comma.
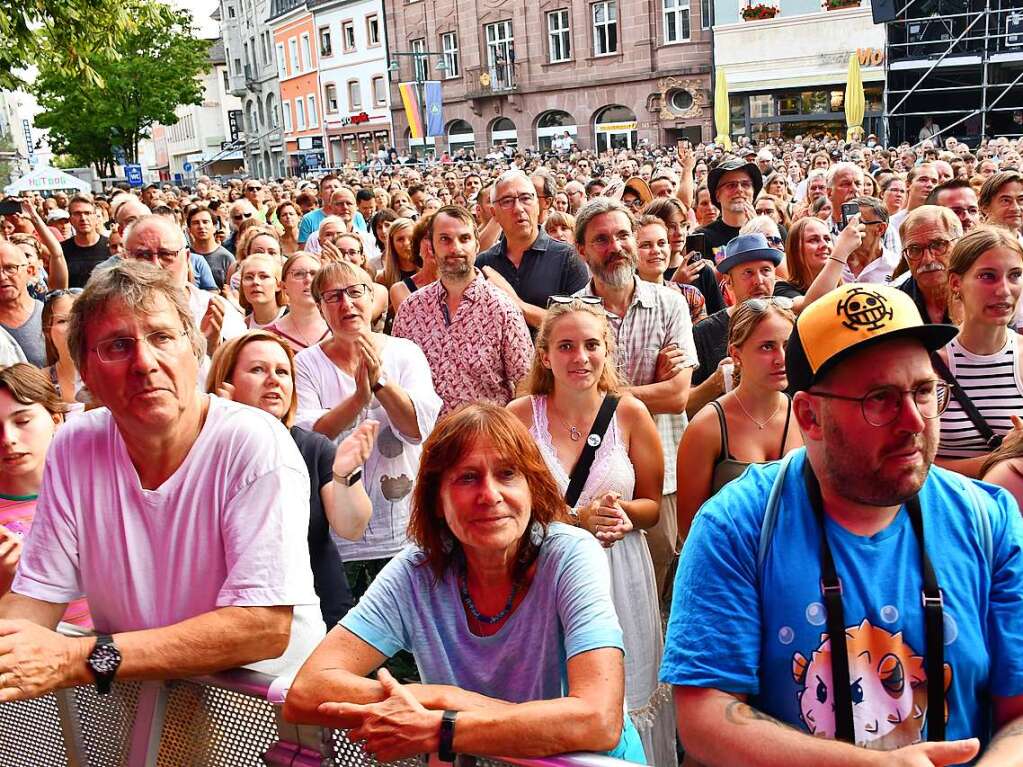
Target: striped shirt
{"x": 992, "y": 382}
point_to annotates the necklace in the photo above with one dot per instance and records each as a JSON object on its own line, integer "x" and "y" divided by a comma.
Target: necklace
{"x": 749, "y": 415}
{"x": 573, "y": 433}
{"x": 490, "y": 620}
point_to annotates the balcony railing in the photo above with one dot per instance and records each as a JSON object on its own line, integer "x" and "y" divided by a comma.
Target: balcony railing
{"x": 497, "y": 80}
{"x": 251, "y": 78}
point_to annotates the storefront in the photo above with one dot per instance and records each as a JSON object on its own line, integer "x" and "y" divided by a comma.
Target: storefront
{"x": 614, "y": 127}
{"x": 305, "y": 155}
{"x": 790, "y": 113}
{"x": 356, "y": 138}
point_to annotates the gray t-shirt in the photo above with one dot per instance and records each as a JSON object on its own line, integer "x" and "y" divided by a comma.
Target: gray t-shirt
{"x": 219, "y": 261}
{"x": 30, "y": 336}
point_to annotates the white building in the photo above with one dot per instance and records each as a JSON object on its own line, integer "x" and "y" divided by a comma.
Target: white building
{"x": 353, "y": 78}
{"x": 17, "y": 112}
{"x": 197, "y": 140}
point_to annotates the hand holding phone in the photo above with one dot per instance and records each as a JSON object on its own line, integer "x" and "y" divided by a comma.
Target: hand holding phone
{"x": 849, "y": 209}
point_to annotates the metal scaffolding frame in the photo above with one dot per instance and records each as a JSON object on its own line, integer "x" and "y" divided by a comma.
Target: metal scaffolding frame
{"x": 979, "y": 40}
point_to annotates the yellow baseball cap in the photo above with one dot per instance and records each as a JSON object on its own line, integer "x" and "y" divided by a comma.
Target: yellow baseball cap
{"x": 848, "y": 319}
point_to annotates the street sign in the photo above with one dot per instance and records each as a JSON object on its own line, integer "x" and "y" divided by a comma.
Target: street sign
{"x": 133, "y": 174}
{"x": 178, "y": 179}
{"x": 187, "y": 167}
{"x": 26, "y": 126}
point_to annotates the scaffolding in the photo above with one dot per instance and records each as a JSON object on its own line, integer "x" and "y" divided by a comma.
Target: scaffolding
{"x": 959, "y": 62}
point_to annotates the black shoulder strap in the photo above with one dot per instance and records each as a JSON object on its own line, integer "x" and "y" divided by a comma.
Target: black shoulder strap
{"x": 991, "y": 439}
{"x": 934, "y": 629}
{"x": 725, "y": 454}
{"x": 581, "y": 470}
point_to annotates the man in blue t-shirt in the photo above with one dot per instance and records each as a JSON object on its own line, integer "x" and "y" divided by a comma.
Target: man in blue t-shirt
{"x": 311, "y": 221}
{"x": 788, "y": 555}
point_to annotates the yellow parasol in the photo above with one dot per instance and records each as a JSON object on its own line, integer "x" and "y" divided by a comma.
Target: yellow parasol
{"x": 721, "y": 112}
{"x": 854, "y": 100}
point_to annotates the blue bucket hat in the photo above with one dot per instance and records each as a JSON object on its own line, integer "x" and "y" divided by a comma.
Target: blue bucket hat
{"x": 748, "y": 247}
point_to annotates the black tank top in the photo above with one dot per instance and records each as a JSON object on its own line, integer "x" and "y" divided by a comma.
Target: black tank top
{"x": 726, "y": 468}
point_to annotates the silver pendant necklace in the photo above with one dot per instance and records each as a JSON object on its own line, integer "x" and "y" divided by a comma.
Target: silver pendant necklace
{"x": 749, "y": 415}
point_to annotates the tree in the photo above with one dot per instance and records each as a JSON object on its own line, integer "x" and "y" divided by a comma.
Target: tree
{"x": 81, "y": 29}
{"x": 157, "y": 68}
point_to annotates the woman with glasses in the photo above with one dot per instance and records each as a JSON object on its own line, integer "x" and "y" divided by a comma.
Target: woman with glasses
{"x": 349, "y": 247}
{"x": 985, "y": 280}
{"x": 303, "y": 326}
{"x": 262, "y": 294}
{"x": 573, "y": 372}
{"x": 358, "y": 374}
{"x": 752, "y": 422}
{"x": 60, "y": 366}
{"x": 258, "y": 369}
{"x": 893, "y": 194}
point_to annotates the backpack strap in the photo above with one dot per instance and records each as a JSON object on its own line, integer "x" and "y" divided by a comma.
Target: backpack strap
{"x": 771, "y": 512}
{"x": 977, "y": 504}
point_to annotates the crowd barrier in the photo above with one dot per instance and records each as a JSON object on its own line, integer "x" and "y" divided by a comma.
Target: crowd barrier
{"x": 231, "y": 719}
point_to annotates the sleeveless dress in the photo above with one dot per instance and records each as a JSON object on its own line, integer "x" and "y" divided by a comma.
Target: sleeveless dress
{"x": 633, "y": 589}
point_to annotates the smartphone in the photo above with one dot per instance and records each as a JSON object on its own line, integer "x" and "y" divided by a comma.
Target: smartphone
{"x": 9, "y": 207}
{"x": 849, "y": 209}
{"x": 697, "y": 243}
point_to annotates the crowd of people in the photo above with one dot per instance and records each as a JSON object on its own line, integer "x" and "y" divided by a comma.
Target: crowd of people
{"x": 617, "y": 441}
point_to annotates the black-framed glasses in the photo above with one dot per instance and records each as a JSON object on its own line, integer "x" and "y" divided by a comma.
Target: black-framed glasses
{"x": 61, "y": 292}
{"x": 635, "y": 204}
{"x": 591, "y": 300}
{"x": 761, "y": 305}
{"x": 937, "y": 247}
{"x": 353, "y": 292}
{"x": 121, "y": 349}
{"x": 881, "y": 406}
{"x": 11, "y": 270}
{"x": 507, "y": 203}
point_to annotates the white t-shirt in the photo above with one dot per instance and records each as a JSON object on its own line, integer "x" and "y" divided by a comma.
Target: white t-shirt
{"x": 391, "y": 468}
{"x": 199, "y": 302}
{"x": 228, "y": 528}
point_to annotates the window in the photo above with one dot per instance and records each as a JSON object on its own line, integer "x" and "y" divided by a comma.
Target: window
{"x": 286, "y": 111}
{"x": 676, "y": 21}
{"x": 379, "y": 92}
{"x": 422, "y": 64}
{"x": 237, "y": 66}
{"x": 314, "y": 116}
{"x": 605, "y": 28}
{"x": 230, "y": 11}
{"x": 266, "y": 45}
{"x": 705, "y": 12}
{"x": 354, "y": 95}
{"x": 449, "y": 46}
{"x": 293, "y": 49}
{"x": 325, "y": 49}
{"x": 227, "y": 86}
{"x": 299, "y": 113}
{"x": 559, "y": 42}
{"x": 373, "y": 30}
{"x": 282, "y": 65}
{"x": 500, "y": 55}
{"x": 348, "y": 35}
{"x": 330, "y": 98}
{"x": 307, "y": 55}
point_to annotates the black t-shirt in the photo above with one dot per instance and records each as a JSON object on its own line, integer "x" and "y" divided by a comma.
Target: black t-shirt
{"x": 787, "y": 289}
{"x": 711, "y": 339}
{"x": 328, "y": 572}
{"x": 549, "y": 267}
{"x": 81, "y": 261}
{"x": 717, "y": 234}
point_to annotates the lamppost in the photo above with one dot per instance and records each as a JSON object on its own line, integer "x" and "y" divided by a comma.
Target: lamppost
{"x": 420, "y": 78}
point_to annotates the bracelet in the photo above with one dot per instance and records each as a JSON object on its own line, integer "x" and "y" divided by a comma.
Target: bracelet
{"x": 837, "y": 261}
{"x": 348, "y": 479}
{"x": 445, "y": 748}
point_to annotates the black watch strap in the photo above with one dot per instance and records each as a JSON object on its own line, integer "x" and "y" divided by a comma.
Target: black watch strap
{"x": 104, "y": 660}
{"x": 445, "y": 750}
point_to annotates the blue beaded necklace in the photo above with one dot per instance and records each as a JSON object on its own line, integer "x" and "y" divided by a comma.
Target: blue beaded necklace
{"x": 463, "y": 588}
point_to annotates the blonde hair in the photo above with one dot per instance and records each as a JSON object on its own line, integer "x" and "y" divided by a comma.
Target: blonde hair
{"x": 540, "y": 379}
{"x": 275, "y": 267}
{"x": 744, "y": 322}
{"x": 391, "y": 272}
{"x": 225, "y": 359}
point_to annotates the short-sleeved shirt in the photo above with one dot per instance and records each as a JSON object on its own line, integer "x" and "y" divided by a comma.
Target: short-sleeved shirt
{"x": 711, "y": 339}
{"x": 717, "y": 234}
{"x": 762, "y": 631}
{"x": 480, "y": 353}
{"x": 82, "y": 260}
{"x": 567, "y": 611}
{"x": 29, "y": 336}
{"x": 227, "y": 529}
{"x": 310, "y": 223}
{"x": 219, "y": 261}
{"x": 657, "y": 317}
{"x": 548, "y": 268}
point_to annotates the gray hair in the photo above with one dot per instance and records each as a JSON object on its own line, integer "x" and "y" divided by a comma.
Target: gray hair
{"x": 598, "y": 206}
{"x": 931, "y": 213}
{"x": 135, "y": 285}
{"x": 161, "y": 221}
{"x": 763, "y": 224}
{"x": 875, "y": 205}
{"x": 840, "y": 167}
{"x": 509, "y": 175}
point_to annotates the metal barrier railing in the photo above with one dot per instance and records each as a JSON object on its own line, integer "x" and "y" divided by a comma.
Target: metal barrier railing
{"x": 231, "y": 719}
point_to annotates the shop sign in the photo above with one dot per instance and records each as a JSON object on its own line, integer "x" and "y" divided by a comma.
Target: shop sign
{"x": 870, "y": 57}
{"x": 358, "y": 119}
{"x": 616, "y": 127}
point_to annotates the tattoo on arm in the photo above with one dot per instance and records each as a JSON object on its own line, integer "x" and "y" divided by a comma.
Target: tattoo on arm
{"x": 737, "y": 712}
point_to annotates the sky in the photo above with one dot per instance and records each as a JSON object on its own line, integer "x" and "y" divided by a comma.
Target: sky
{"x": 201, "y": 10}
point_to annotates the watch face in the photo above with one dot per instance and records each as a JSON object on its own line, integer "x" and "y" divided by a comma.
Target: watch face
{"x": 105, "y": 659}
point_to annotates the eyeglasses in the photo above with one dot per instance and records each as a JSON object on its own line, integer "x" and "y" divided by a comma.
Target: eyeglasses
{"x": 872, "y": 223}
{"x": 937, "y": 247}
{"x": 881, "y": 406}
{"x": 11, "y": 270}
{"x": 253, "y": 188}
{"x": 590, "y": 300}
{"x": 121, "y": 349}
{"x": 349, "y": 252}
{"x": 301, "y": 274}
{"x": 241, "y": 216}
{"x": 761, "y": 305}
{"x": 731, "y": 186}
{"x": 774, "y": 240}
{"x": 525, "y": 200}
{"x": 61, "y": 292}
{"x": 353, "y": 292}
{"x": 960, "y": 212}
{"x": 635, "y": 204}
{"x": 165, "y": 257}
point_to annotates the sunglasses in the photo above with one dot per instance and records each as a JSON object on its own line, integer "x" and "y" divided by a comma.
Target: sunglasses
{"x": 761, "y": 305}
{"x": 62, "y": 292}
{"x": 591, "y": 300}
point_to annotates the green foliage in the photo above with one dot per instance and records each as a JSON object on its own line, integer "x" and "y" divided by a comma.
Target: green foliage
{"x": 157, "y": 68}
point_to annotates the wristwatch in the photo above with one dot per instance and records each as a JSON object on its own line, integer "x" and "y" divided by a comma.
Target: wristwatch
{"x": 350, "y": 478}
{"x": 446, "y": 747}
{"x": 380, "y": 384}
{"x": 104, "y": 660}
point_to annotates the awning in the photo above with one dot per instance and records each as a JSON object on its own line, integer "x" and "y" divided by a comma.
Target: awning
{"x": 46, "y": 179}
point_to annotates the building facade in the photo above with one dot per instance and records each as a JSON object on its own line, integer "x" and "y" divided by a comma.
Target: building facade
{"x": 787, "y": 74}
{"x": 352, "y": 49}
{"x": 252, "y": 75}
{"x": 611, "y": 73}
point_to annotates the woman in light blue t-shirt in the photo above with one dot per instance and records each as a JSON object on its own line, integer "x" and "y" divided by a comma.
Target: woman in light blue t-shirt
{"x": 506, "y": 609}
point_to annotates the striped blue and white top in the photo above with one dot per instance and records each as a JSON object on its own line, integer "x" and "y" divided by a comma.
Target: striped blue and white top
{"x": 993, "y": 383}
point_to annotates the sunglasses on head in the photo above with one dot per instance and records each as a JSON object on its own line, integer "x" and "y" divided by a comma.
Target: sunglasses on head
{"x": 591, "y": 300}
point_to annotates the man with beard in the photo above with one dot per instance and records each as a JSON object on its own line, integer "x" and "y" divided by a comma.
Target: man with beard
{"x": 733, "y": 185}
{"x": 928, "y": 235}
{"x": 787, "y": 558}
{"x": 473, "y": 335}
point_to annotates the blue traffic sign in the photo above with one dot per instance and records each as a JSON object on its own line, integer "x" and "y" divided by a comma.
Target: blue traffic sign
{"x": 133, "y": 173}
{"x": 187, "y": 167}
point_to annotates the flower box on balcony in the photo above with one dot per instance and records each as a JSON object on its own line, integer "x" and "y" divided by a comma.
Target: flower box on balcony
{"x": 837, "y": 5}
{"x": 759, "y": 11}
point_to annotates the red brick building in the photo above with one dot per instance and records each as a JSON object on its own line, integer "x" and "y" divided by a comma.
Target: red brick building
{"x": 609, "y": 72}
